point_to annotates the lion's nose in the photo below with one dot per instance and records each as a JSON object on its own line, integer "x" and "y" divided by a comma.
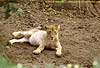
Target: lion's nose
{"x": 51, "y": 38}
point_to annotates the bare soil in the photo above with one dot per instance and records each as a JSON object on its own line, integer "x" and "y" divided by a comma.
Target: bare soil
{"x": 79, "y": 36}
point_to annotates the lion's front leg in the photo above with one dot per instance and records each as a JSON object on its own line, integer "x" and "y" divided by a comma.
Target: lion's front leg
{"x": 59, "y": 48}
{"x": 39, "y": 49}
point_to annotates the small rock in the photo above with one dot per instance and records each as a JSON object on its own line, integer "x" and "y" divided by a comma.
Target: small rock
{"x": 19, "y": 65}
{"x": 69, "y": 65}
{"x": 52, "y": 20}
{"x": 76, "y": 66}
{"x": 74, "y": 22}
{"x": 62, "y": 66}
{"x": 7, "y": 47}
{"x": 95, "y": 63}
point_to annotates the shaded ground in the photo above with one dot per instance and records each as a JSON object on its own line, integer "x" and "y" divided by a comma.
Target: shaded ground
{"x": 79, "y": 37}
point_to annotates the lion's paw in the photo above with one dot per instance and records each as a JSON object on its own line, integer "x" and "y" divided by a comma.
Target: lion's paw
{"x": 15, "y": 34}
{"x": 12, "y": 41}
{"x": 37, "y": 51}
{"x": 58, "y": 53}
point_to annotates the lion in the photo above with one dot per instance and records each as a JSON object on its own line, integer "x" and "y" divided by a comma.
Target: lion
{"x": 44, "y": 36}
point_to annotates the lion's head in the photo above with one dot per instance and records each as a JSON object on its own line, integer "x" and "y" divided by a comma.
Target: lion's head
{"x": 52, "y": 31}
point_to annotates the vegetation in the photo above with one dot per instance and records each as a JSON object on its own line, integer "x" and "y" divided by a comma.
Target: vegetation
{"x": 6, "y": 63}
{"x": 59, "y": 1}
{"x": 10, "y": 7}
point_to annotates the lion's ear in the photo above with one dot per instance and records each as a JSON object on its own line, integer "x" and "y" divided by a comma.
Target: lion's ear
{"x": 57, "y": 27}
{"x": 45, "y": 27}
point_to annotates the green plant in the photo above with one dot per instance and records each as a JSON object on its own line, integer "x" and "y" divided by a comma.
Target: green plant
{"x": 49, "y": 66}
{"x": 59, "y": 1}
{"x": 10, "y": 8}
{"x": 96, "y": 64}
{"x": 35, "y": 66}
{"x": 6, "y": 63}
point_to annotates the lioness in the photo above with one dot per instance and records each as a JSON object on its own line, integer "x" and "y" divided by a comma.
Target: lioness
{"x": 44, "y": 36}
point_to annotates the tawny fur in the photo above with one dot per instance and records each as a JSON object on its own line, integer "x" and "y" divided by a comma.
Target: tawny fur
{"x": 45, "y": 36}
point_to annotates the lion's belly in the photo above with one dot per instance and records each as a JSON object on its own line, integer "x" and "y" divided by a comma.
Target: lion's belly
{"x": 37, "y": 37}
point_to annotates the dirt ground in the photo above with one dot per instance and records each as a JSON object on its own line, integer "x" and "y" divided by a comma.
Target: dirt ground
{"x": 79, "y": 36}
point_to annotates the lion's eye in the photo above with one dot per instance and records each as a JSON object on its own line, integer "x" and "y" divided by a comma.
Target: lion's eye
{"x": 49, "y": 32}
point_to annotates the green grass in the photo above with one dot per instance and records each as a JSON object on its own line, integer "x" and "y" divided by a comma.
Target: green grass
{"x": 59, "y": 1}
{"x": 6, "y": 63}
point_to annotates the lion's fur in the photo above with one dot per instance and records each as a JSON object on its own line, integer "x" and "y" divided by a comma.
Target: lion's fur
{"x": 48, "y": 37}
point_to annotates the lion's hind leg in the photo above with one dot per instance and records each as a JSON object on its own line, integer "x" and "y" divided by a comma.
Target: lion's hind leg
{"x": 17, "y": 34}
{"x": 18, "y": 40}
{"x": 21, "y": 34}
